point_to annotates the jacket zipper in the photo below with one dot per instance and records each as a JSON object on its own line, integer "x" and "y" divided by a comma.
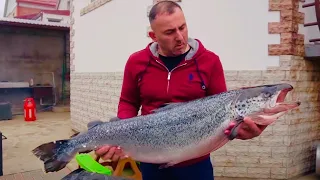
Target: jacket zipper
{"x": 169, "y": 73}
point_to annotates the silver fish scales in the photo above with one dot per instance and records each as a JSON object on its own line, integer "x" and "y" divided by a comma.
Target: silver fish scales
{"x": 176, "y": 132}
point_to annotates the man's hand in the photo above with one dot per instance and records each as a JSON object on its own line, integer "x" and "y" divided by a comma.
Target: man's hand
{"x": 247, "y": 130}
{"x": 110, "y": 153}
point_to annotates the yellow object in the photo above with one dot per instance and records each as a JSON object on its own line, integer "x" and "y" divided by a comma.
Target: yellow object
{"x": 121, "y": 171}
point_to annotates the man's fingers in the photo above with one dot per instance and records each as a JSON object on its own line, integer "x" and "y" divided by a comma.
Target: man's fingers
{"x": 262, "y": 127}
{"x": 123, "y": 156}
{"x": 228, "y": 130}
{"x": 252, "y": 127}
{"x": 231, "y": 125}
{"x": 249, "y": 129}
{"x": 251, "y": 123}
{"x": 115, "y": 157}
{"x": 241, "y": 133}
{"x": 109, "y": 154}
{"x": 102, "y": 150}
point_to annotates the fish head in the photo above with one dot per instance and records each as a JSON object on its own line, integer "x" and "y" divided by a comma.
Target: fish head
{"x": 264, "y": 104}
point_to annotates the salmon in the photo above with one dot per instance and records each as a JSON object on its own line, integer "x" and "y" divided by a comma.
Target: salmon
{"x": 176, "y": 132}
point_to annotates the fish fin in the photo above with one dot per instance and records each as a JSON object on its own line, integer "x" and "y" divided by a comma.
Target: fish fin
{"x": 75, "y": 134}
{"x": 167, "y": 106}
{"x": 234, "y": 130}
{"x": 54, "y": 155}
{"x": 114, "y": 119}
{"x": 93, "y": 124}
{"x": 266, "y": 120}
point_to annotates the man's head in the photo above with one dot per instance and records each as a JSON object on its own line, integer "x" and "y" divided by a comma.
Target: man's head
{"x": 169, "y": 28}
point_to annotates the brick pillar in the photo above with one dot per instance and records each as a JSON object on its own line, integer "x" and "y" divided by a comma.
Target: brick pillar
{"x": 72, "y": 33}
{"x": 299, "y": 128}
{"x": 291, "y": 42}
{"x": 285, "y": 149}
{"x": 73, "y": 87}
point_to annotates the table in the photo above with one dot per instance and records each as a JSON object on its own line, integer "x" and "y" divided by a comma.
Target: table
{"x": 16, "y": 95}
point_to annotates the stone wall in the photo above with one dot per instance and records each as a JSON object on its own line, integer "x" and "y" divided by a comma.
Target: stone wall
{"x": 94, "y": 96}
{"x": 284, "y": 150}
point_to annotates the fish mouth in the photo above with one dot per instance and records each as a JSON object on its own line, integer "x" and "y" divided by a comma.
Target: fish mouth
{"x": 277, "y": 109}
{"x": 282, "y": 95}
{"x": 281, "y": 105}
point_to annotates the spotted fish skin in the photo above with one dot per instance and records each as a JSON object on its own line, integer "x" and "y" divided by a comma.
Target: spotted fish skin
{"x": 174, "y": 133}
{"x": 166, "y": 135}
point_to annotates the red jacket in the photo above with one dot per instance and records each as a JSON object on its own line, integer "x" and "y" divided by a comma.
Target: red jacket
{"x": 147, "y": 82}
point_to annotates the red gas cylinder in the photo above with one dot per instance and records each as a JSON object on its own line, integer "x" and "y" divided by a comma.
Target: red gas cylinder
{"x": 29, "y": 109}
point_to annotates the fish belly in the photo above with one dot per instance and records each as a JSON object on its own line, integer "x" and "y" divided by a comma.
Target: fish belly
{"x": 178, "y": 154}
{"x": 168, "y": 140}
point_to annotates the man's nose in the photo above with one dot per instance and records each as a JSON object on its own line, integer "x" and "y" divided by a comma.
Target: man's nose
{"x": 179, "y": 36}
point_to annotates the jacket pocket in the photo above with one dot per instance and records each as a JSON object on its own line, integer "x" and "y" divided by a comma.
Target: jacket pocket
{"x": 191, "y": 86}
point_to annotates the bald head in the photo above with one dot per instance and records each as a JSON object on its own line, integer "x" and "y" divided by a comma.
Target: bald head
{"x": 163, "y": 7}
{"x": 169, "y": 28}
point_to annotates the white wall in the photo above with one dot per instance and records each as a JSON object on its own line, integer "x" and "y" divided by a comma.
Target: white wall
{"x": 10, "y": 6}
{"x": 64, "y": 5}
{"x": 64, "y": 19}
{"x": 106, "y": 37}
{"x": 310, "y": 32}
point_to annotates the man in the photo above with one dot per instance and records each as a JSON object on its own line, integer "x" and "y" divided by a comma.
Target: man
{"x": 173, "y": 68}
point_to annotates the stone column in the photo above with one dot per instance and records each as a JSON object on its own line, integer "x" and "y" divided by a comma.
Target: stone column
{"x": 286, "y": 148}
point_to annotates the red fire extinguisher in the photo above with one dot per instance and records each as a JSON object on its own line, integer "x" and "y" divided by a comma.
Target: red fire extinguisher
{"x": 29, "y": 109}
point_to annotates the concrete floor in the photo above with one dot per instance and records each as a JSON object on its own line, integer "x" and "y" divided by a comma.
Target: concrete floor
{"x": 24, "y": 136}
{"x": 36, "y": 175}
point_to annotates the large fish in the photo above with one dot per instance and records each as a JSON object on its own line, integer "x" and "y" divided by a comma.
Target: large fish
{"x": 176, "y": 132}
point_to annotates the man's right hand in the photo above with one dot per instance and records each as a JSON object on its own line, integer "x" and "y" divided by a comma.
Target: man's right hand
{"x": 110, "y": 153}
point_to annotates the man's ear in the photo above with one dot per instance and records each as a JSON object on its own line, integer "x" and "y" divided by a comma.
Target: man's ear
{"x": 152, "y": 36}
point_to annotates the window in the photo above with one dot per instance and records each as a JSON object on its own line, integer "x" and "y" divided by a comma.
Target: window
{"x": 54, "y": 20}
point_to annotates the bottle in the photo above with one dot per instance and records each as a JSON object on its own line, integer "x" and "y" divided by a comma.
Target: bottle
{"x": 31, "y": 82}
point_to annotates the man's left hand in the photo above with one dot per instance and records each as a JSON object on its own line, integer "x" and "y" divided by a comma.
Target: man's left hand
{"x": 246, "y": 130}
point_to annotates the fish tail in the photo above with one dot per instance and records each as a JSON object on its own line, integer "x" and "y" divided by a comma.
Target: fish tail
{"x": 55, "y": 155}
